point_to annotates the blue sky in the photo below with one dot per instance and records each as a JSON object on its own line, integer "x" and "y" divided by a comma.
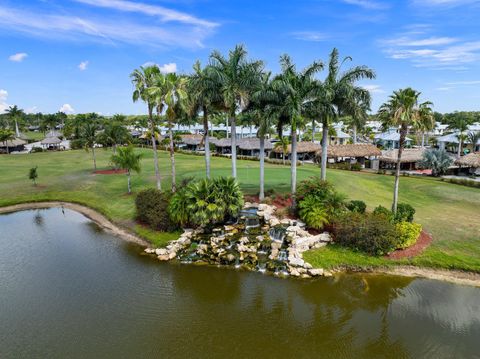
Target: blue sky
{"x": 77, "y": 55}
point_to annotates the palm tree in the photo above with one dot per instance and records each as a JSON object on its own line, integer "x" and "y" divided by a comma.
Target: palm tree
{"x": 5, "y": 136}
{"x": 338, "y": 95}
{"x": 174, "y": 97}
{"x": 143, "y": 79}
{"x": 403, "y": 110}
{"x": 114, "y": 134}
{"x": 204, "y": 94}
{"x": 437, "y": 160}
{"x": 459, "y": 122}
{"x": 128, "y": 160}
{"x": 358, "y": 117}
{"x": 236, "y": 77}
{"x": 15, "y": 114}
{"x": 474, "y": 138}
{"x": 294, "y": 90}
{"x": 89, "y": 136}
{"x": 283, "y": 145}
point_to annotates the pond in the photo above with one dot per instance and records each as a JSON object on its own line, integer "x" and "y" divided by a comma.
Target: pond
{"x": 68, "y": 289}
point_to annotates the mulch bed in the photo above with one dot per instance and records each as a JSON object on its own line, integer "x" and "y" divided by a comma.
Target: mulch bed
{"x": 423, "y": 242}
{"x": 110, "y": 172}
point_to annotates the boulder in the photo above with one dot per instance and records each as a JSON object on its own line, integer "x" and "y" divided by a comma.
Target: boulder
{"x": 296, "y": 262}
{"x": 163, "y": 257}
{"x": 160, "y": 251}
{"x": 149, "y": 250}
{"x": 315, "y": 272}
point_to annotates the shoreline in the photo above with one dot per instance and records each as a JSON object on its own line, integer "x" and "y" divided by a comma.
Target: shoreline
{"x": 452, "y": 276}
{"x": 88, "y": 212}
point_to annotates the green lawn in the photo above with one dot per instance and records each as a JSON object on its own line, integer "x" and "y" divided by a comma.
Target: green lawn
{"x": 450, "y": 212}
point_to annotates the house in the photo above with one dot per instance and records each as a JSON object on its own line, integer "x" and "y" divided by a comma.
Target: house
{"x": 192, "y": 142}
{"x": 15, "y": 145}
{"x": 410, "y": 158}
{"x": 51, "y": 143}
{"x": 340, "y": 137}
{"x": 471, "y": 162}
{"x": 450, "y": 142}
{"x": 251, "y": 147}
{"x": 306, "y": 151}
{"x": 352, "y": 153}
{"x": 390, "y": 139}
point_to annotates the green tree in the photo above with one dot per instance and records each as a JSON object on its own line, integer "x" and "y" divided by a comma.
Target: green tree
{"x": 436, "y": 160}
{"x": 237, "y": 78}
{"x": 127, "y": 159}
{"x": 114, "y": 134}
{"x": 459, "y": 121}
{"x": 89, "y": 136}
{"x": 404, "y": 110}
{"x": 294, "y": 90}
{"x": 474, "y": 138}
{"x": 33, "y": 175}
{"x": 15, "y": 114}
{"x": 5, "y": 136}
{"x": 143, "y": 79}
{"x": 283, "y": 145}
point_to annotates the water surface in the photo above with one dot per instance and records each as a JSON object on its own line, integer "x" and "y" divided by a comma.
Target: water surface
{"x": 68, "y": 289}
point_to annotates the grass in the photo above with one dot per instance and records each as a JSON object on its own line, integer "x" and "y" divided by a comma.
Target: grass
{"x": 451, "y": 213}
{"x": 34, "y": 136}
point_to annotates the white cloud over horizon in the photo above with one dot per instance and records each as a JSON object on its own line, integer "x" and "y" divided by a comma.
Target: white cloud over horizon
{"x": 375, "y": 89}
{"x": 83, "y": 65}
{"x": 168, "y": 68}
{"x": 3, "y": 100}
{"x": 66, "y": 108}
{"x": 18, "y": 57}
{"x": 310, "y": 36}
{"x": 368, "y": 4}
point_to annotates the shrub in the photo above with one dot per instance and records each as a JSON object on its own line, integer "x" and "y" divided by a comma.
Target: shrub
{"x": 207, "y": 202}
{"x": 405, "y": 213}
{"x": 382, "y": 211}
{"x": 312, "y": 212}
{"x": 77, "y": 144}
{"x": 369, "y": 233}
{"x": 357, "y": 206}
{"x": 152, "y": 205}
{"x": 36, "y": 150}
{"x": 407, "y": 233}
{"x": 437, "y": 160}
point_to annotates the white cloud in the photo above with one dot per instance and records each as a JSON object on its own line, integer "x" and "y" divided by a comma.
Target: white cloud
{"x": 430, "y": 41}
{"x": 66, "y": 108}
{"x": 33, "y": 109}
{"x": 18, "y": 57}
{"x": 374, "y": 88}
{"x": 459, "y": 83}
{"x": 151, "y": 10}
{"x": 3, "y": 100}
{"x": 168, "y": 68}
{"x": 83, "y": 65}
{"x": 444, "y": 3}
{"x": 368, "y": 4}
{"x": 109, "y": 29}
{"x": 310, "y": 36}
{"x": 443, "y": 88}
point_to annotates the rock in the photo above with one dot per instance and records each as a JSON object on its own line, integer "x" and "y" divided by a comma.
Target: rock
{"x": 327, "y": 273}
{"x": 315, "y": 272}
{"x": 149, "y": 250}
{"x": 172, "y": 255}
{"x": 160, "y": 251}
{"x": 163, "y": 257}
{"x": 305, "y": 275}
{"x": 296, "y": 262}
{"x": 294, "y": 272}
{"x": 286, "y": 222}
{"x": 307, "y": 265}
{"x": 260, "y": 238}
{"x": 273, "y": 221}
{"x": 230, "y": 257}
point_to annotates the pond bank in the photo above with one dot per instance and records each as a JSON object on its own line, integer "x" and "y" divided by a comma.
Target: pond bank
{"x": 453, "y": 276}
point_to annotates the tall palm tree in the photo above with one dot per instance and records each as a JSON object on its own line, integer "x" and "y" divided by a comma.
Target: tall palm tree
{"x": 358, "y": 117}
{"x": 174, "y": 97}
{"x": 89, "y": 136}
{"x": 204, "y": 93}
{"x": 459, "y": 122}
{"x": 143, "y": 79}
{"x": 15, "y": 114}
{"x": 338, "y": 95}
{"x": 128, "y": 160}
{"x": 404, "y": 110}
{"x": 236, "y": 77}
{"x": 114, "y": 134}
{"x": 282, "y": 144}
{"x": 294, "y": 90}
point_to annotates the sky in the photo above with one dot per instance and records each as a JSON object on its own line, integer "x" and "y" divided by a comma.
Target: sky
{"x": 76, "y": 55}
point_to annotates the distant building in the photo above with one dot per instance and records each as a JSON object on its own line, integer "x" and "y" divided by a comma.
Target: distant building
{"x": 390, "y": 139}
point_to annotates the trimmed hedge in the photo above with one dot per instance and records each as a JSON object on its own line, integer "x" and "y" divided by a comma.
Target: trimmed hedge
{"x": 152, "y": 209}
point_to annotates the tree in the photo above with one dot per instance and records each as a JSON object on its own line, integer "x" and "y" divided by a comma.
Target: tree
{"x": 294, "y": 92}
{"x": 358, "y": 117}
{"x": 33, "y": 175}
{"x": 114, "y": 134}
{"x": 437, "y": 160}
{"x": 338, "y": 95}
{"x": 5, "y": 136}
{"x": 127, "y": 159}
{"x": 204, "y": 93}
{"x": 459, "y": 122}
{"x": 404, "y": 110}
{"x": 174, "y": 97}
{"x": 15, "y": 114}
{"x": 89, "y": 136}
{"x": 236, "y": 77}
{"x": 143, "y": 79}
{"x": 474, "y": 138}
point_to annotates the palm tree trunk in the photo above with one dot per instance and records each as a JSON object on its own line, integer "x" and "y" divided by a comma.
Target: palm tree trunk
{"x": 154, "y": 146}
{"x": 323, "y": 173}
{"x": 283, "y": 155}
{"x": 234, "y": 146}
{"x": 206, "y": 142}
{"x": 128, "y": 182}
{"x": 172, "y": 157}
{"x": 262, "y": 168}
{"x": 313, "y": 130}
{"x": 354, "y": 134}
{"x": 423, "y": 139}
{"x": 459, "y": 153}
{"x": 94, "y": 158}
{"x": 401, "y": 145}
{"x": 294, "y": 164}
{"x": 17, "y": 131}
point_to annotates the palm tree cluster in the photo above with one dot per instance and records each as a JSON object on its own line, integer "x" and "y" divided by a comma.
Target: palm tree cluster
{"x": 238, "y": 88}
